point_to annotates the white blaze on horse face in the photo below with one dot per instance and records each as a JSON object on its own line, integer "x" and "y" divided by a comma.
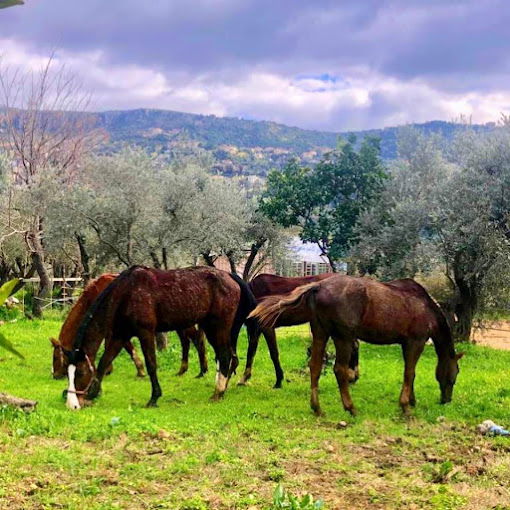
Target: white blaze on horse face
{"x": 72, "y": 399}
{"x": 221, "y": 380}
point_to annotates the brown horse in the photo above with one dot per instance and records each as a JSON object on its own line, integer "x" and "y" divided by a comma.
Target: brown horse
{"x": 141, "y": 302}
{"x": 265, "y": 285}
{"x": 75, "y": 316}
{"x": 346, "y": 307}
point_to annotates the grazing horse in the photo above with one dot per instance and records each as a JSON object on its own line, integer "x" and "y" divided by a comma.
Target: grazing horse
{"x": 347, "y": 307}
{"x": 75, "y": 316}
{"x": 265, "y": 285}
{"x": 143, "y": 301}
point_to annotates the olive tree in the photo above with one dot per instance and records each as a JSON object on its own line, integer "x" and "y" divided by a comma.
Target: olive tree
{"x": 445, "y": 205}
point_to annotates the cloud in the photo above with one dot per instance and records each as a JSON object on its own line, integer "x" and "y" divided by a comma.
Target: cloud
{"x": 324, "y": 65}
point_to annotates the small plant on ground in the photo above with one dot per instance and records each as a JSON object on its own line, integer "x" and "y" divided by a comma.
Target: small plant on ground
{"x": 282, "y": 499}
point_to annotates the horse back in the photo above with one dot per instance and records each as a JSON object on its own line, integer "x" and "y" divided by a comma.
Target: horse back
{"x": 264, "y": 284}
{"x": 379, "y": 312}
{"x": 179, "y": 298}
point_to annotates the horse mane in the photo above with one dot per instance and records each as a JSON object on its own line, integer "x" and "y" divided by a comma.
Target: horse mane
{"x": 271, "y": 307}
{"x": 97, "y": 304}
{"x": 73, "y": 319}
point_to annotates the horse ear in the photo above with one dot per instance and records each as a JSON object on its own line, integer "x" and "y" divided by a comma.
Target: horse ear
{"x": 54, "y": 342}
{"x": 459, "y": 355}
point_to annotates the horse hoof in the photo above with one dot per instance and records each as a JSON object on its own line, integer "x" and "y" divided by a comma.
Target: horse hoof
{"x": 217, "y": 397}
{"x": 200, "y": 375}
{"x": 277, "y": 386}
{"x": 140, "y": 374}
{"x": 242, "y": 382}
{"x": 151, "y": 403}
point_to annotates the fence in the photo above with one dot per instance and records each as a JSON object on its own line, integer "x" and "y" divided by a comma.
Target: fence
{"x": 67, "y": 286}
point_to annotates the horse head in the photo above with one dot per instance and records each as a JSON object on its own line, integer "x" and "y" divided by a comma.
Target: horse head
{"x": 446, "y": 375}
{"x": 83, "y": 384}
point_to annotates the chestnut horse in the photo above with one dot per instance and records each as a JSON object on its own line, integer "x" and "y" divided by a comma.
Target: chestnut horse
{"x": 75, "y": 316}
{"x": 347, "y": 307}
{"x": 143, "y": 301}
{"x": 265, "y": 285}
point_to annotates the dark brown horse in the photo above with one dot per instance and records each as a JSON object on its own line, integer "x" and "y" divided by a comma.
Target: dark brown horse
{"x": 346, "y": 307}
{"x": 76, "y": 314}
{"x": 141, "y": 302}
{"x": 265, "y": 285}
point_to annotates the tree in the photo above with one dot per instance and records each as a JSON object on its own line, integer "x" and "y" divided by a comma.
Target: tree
{"x": 326, "y": 201}
{"x": 445, "y": 206}
{"x": 45, "y": 132}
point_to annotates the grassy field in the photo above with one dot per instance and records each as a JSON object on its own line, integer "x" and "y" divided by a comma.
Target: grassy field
{"x": 193, "y": 454}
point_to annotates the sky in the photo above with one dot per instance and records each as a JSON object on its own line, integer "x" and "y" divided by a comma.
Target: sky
{"x": 333, "y": 65}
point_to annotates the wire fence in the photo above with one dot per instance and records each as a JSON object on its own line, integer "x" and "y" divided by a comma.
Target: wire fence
{"x": 67, "y": 294}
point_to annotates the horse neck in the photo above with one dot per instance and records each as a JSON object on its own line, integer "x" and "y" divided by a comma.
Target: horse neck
{"x": 77, "y": 313}
{"x": 443, "y": 341}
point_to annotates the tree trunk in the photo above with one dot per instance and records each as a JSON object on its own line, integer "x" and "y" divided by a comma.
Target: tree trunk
{"x": 254, "y": 250}
{"x": 232, "y": 262}
{"x": 155, "y": 261}
{"x": 465, "y": 307}
{"x": 164, "y": 256}
{"x": 465, "y": 312}
{"x": 37, "y": 255}
{"x": 84, "y": 257}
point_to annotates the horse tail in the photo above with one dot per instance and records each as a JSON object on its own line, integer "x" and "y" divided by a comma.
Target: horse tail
{"x": 96, "y": 305}
{"x": 271, "y": 307}
{"x": 247, "y": 303}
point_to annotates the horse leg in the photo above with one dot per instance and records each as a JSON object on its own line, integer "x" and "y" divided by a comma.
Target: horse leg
{"x": 130, "y": 348}
{"x": 199, "y": 343}
{"x": 111, "y": 351}
{"x": 253, "y": 342}
{"x": 185, "y": 343}
{"x": 161, "y": 341}
{"x": 148, "y": 343}
{"x": 344, "y": 347}
{"x": 319, "y": 341}
{"x": 226, "y": 362}
{"x": 411, "y": 350}
{"x": 270, "y": 336}
{"x": 354, "y": 363}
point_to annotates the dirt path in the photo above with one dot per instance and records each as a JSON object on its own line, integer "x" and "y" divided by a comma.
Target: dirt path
{"x": 496, "y": 335}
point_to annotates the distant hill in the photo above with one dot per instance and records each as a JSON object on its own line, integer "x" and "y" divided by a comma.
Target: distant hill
{"x": 238, "y": 147}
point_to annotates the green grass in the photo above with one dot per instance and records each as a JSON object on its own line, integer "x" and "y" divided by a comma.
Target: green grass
{"x": 190, "y": 453}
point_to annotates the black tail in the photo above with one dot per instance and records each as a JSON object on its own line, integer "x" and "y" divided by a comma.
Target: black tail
{"x": 247, "y": 303}
{"x": 98, "y": 303}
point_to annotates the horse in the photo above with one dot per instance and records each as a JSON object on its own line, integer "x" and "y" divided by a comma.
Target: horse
{"x": 347, "y": 307}
{"x": 70, "y": 327}
{"x": 265, "y": 285}
{"x": 142, "y": 301}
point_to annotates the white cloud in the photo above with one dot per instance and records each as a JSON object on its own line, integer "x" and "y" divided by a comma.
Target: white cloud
{"x": 360, "y": 99}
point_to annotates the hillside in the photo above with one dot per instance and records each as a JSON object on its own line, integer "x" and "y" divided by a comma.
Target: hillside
{"x": 239, "y": 146}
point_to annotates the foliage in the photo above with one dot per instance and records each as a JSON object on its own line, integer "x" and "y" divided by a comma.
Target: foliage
{"x": 325, "y": 202}
{"x": 282, "y": 499}
{"x": 5, "y": 291}
{"x": 446, "y": 205}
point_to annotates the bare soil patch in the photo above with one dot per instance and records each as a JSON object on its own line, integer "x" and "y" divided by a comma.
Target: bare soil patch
{"x": 495, "y": 335}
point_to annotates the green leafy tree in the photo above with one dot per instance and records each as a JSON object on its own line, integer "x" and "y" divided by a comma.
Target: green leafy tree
{"x": 325, "y": 202}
